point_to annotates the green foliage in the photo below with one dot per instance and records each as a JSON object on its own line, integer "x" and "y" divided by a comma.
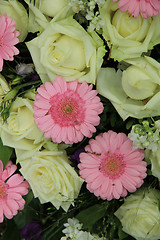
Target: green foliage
{"x": 54, "y": 223}
{"x": 29, "y": 197}
{"x": 91, "y": 215}
{"x": 122, "y": 235}
{"x": 110, "y": 119}
{"x": 10, "y": 96}
{"x": 31, "y": 212}
{"x": 5, "y": 153}
{"x": 54, "y": 231}
{"x": 11, "y": 231}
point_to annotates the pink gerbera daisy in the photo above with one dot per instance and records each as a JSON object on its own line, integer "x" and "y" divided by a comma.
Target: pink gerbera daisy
{"x": 111, "y": 167}
{"x": 11, "y": 190}
{"x": 147, "y": 8}
{"x": 67, "y": 111}
{"x": 8, "y": 38}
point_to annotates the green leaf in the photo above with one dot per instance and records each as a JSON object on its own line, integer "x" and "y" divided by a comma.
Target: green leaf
{"x": 129, "y": 124}
{"x": 122, "y": 235}
{"x": 55, "y": 232}
{"x": 28, "y": 214}
{"x": 91, "y": 215}
{"x": 56, "y": 225}
{"x": 28, "y": 198}
{"x": 11, "y": 231}
{"x": 5, "y": 153}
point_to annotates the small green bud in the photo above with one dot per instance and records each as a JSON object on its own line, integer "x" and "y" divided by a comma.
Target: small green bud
{"x": 146, "y": 144}
{"x": 150, "y": 133}
{"x": 145, "y": 124}
{"x": 17, "y": 80}
{"x": 137, "y": 129}
{"x": 10, "y": 95}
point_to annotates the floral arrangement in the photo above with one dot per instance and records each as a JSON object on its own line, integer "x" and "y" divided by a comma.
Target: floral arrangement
{"x": 80, "y": 119}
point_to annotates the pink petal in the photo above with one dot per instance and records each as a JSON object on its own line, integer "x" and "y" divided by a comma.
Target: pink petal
{"x": 15, "y": 180}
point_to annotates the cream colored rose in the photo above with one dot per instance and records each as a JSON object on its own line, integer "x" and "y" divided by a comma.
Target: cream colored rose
{"x": 140, "y": 216}
{"x": 41, "y": 12}
{"x": 51, "y": 177}
{"x": 52, "y": 7}
{"x": 65, "y": 49}
{"x": 134, "y": 92}
{"x": 4, "y": 87}
{"x": 18, "y": 13}
{"x": 20, "y": 131}
{"x": 128, "y": 37}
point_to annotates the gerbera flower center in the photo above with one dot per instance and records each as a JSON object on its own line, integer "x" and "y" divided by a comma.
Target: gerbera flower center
{"x": 112, "y": 165}
{"x": 67, "y": 109}
{"x": 3, "y": 189}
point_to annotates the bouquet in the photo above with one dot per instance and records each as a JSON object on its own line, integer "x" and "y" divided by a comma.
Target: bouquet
{"x": 80, "y": 119}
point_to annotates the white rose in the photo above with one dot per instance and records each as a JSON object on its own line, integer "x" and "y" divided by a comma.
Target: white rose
{"x": 65, "y": 49}
{"x": 134, "y": 92}
{"x": 51, "y": 177}
{"x": 140, "y": 216}
{"x": 19, "y": 130}
{"x": 128, "y": 37}
{"x": 4, "y": 87}
{"x": 41, "y": 12}
{"x": 52, "y": 7}
{"x": 18, "y": 13}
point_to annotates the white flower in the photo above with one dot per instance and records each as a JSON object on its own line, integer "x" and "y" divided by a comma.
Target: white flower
{"x": 24, "y": 69}
{"x": 140, "y": 216}
{"x": 19, "y": 131}
{"x": 128, "y": 36}
{"x": 65, "y": 49}
{"x": 51, "y": 177}
{"x": 134, "y": 92}
{"x": 73, "y": 231}
{"x": 137, "y": 139}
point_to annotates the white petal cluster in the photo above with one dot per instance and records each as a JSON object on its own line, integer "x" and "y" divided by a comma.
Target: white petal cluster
{"x": 145, "y": 136}
{"x": 73, "y": 231}
{"x": 88, "y": 11}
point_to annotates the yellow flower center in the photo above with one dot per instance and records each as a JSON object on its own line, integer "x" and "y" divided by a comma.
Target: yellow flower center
{"x": 3, "y": 188}
{"x": 112, "y": 165}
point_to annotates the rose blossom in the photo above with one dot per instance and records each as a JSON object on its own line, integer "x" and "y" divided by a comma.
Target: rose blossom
{"x": 51, "y": 177}
{"x": 65, "y": 49}
{"x": 128, "y": 37}
{"x": 140, "y": 216}
{"x": 135, "y": 91}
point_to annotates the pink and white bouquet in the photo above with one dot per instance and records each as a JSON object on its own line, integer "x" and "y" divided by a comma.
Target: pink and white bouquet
{"x": 80, "y": 119}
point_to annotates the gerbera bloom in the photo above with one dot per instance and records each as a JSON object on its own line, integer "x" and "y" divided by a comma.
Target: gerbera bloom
{"x": 8, "y": 38}
{"x": 67, "y": 111}
{"x": 147, "y": 8}
{"x": 11, "y": 190}
{"x": 111, "y": 167}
